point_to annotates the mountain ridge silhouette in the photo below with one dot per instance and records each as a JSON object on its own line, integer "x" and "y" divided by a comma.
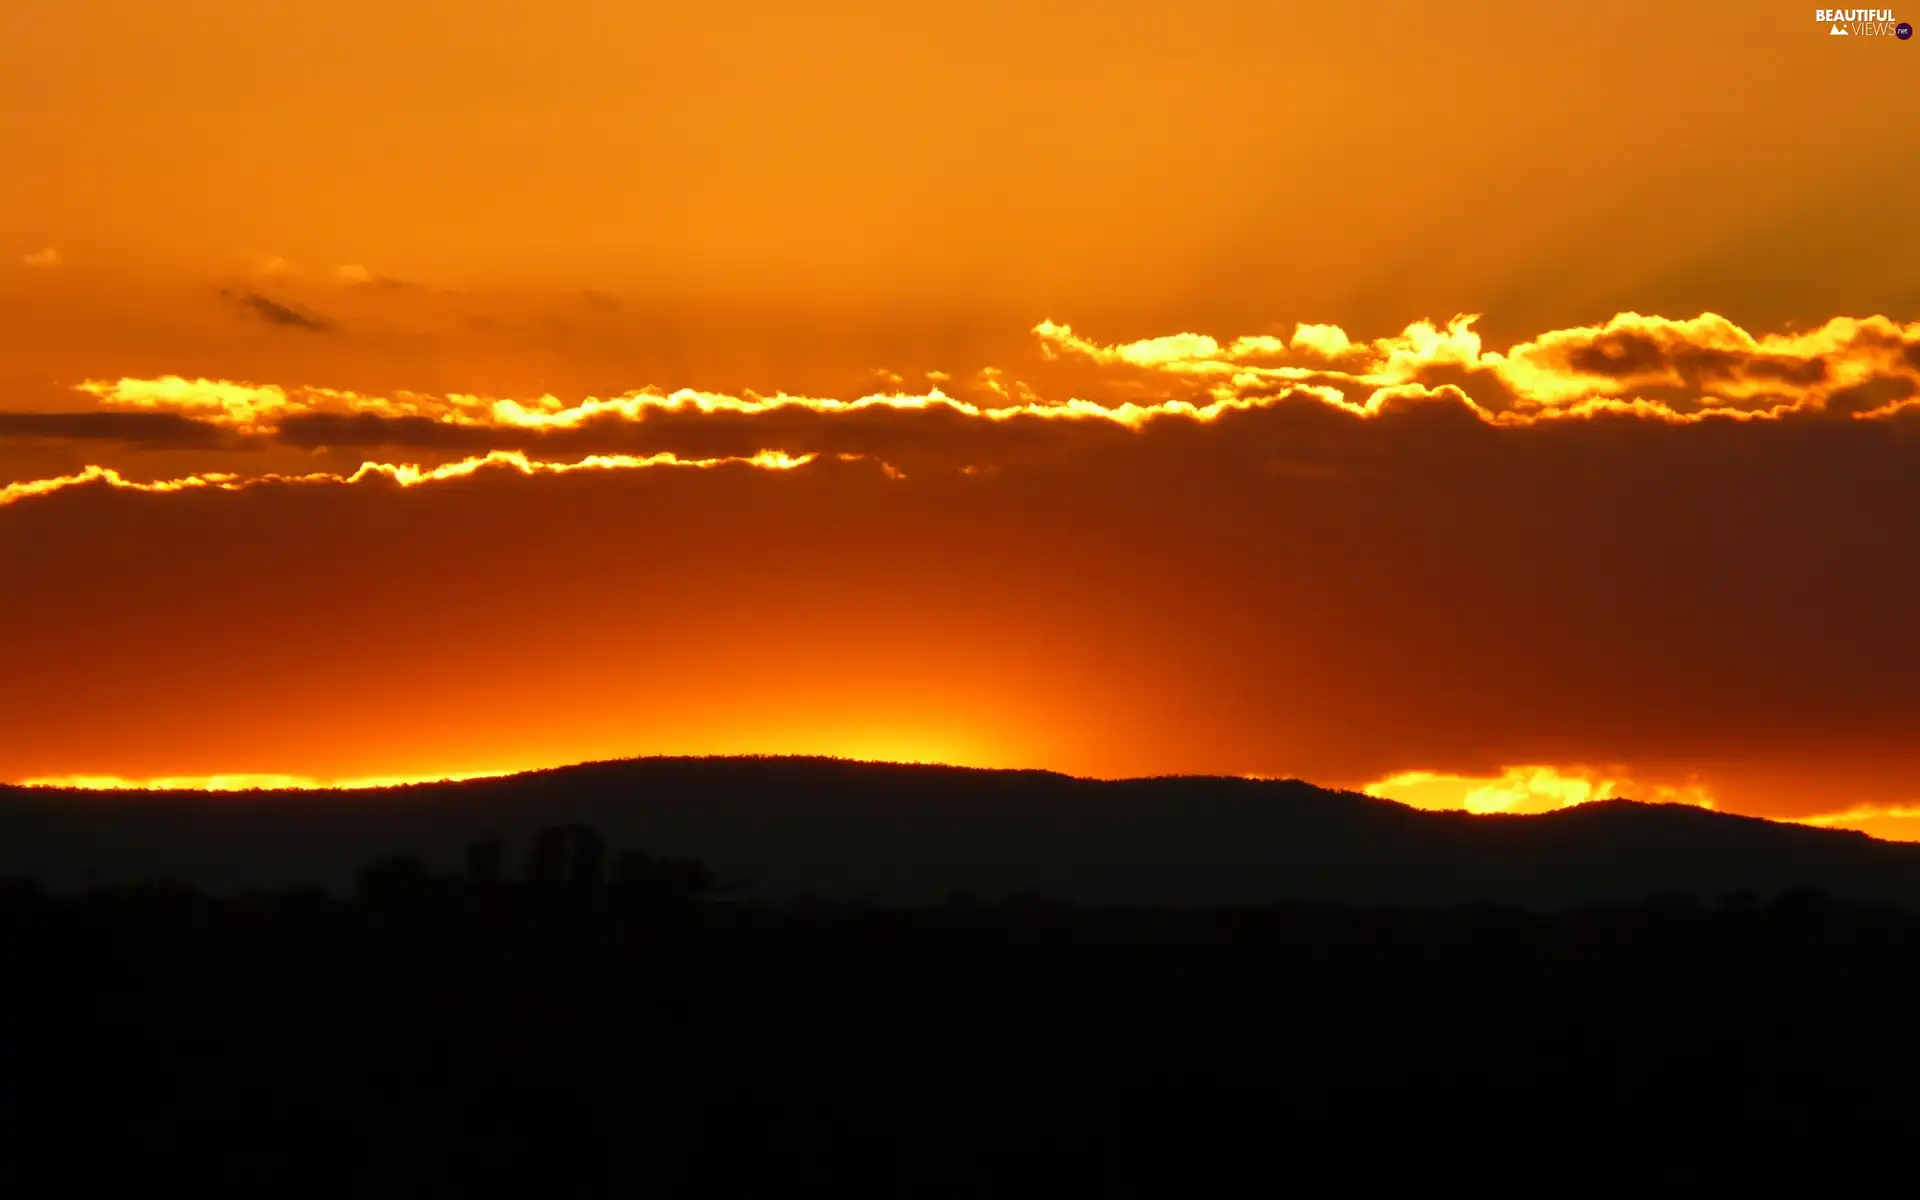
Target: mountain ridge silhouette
{"x": 913, "y": 833}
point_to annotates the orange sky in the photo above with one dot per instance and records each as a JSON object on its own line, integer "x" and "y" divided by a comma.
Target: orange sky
{"x": 1549, "y": 549}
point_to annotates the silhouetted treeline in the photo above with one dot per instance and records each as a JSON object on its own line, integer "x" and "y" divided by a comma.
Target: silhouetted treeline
{"x": 559, "y": 1018}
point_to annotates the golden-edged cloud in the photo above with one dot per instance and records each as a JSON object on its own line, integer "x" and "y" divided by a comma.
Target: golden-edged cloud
{"x": 1674, "y": 370}
{"x": 401, "y": 474}
{"x": 1647, "y": 366}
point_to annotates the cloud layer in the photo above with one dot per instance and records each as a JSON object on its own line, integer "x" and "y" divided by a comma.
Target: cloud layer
{"x": 1634, "y": 368}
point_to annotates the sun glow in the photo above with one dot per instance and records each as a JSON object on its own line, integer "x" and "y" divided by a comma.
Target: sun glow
{"x": 1894, "y": 823}
{"x": 249, "y": 783}
{"x": 1529, "y": 789}
{"x": 1540, "y": 789}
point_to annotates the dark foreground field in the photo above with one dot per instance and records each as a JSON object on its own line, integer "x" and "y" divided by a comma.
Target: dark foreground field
{"x": 557, "y": 1019}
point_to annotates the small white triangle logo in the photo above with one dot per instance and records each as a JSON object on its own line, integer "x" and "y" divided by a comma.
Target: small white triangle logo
{"x": 1839, "y": 32}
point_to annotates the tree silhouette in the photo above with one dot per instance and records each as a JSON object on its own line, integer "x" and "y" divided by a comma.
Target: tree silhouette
{"x": 587, "y": 858}
{"x": 546, "y": 865}
{"x": 393, "y": 881}
{"x": 486, "y": 861}
{"x": 661, "y": 881}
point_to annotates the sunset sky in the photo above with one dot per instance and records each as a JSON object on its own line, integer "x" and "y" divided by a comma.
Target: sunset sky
{"x": 1489, "y": 404}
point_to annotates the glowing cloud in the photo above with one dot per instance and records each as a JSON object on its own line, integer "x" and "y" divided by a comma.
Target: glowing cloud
{"x": 256, "y": 408}
{"x": 1676, "y": 371}
{"x": 1654, "y": 367}
{"x": 1528, "y": 789}
{"x": 403, "y": 474}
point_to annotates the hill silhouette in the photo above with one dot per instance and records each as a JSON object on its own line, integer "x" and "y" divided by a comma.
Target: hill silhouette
{"x": 910, "y": 834}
